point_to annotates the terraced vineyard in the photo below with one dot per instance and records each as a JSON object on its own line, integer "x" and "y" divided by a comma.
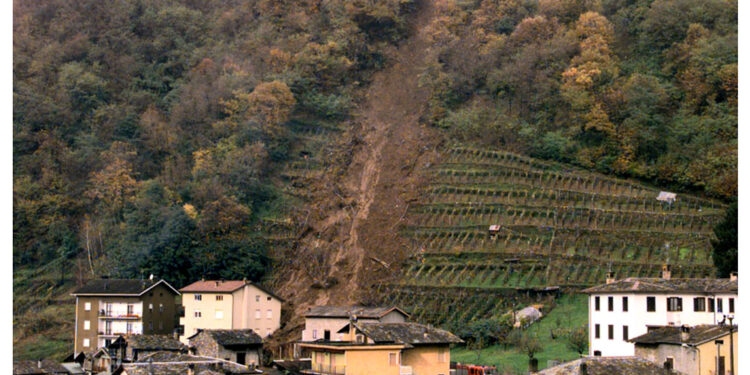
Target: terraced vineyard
{"x": 559, "y": 227}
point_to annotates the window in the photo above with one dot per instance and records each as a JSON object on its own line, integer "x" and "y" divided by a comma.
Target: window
{"x": 257, "y": 314}
{"x": 731, "y": 305}
{"x": 596, "y": 303}
{"x": 669, "y": 363}
{"x": 610, "y": 303}
{"x": 86, "y": 325}
{"x": 719, "y": 305}
{"x": 315, "y": 334}
{"x": 597, "y": 353}
{"x": 269, "y": 314}
{"x": 268, "y": 298}
{"x": 198, "y": 297}
{"x": 710, "y": 305}
{"x": 161, "y": 308}
{"x": 87, "y": 306}
{"x": 219, "y": 314}
{"x": 624, "y": 303}
{"x": 699, "y": 304}
{"x": 611, "y": 332}
{"x": 150, "y": 307}
{"x": 130, "y": 309}
{"x": 86, "y": 343}
{"x": 219, "y": 298}
{"x": 596, "y": 331}
{"x": 674, "y": 304}
{"x": 360, "y": 339}
{"x": 650, "y": 304}
{"x": 197, "y": 314}
{"x": 393, "y": 359}
{"x": 327, "y": 335}
{"x": 624, "y": 333}
{"x": 257, "y": 298}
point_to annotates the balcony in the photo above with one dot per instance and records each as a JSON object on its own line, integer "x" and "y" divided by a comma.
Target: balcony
{"x": 321, "y": 369}
{"x": 103, "y": 314}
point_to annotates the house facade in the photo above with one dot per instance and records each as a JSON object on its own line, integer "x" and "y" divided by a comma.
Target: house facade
{"x": 690, "y": 350}
{"x": 242, "y": 346}
{"x": 234, "y": 304}
{"x": 323, "y": 322}
{"x": 622, "y": 309}
{"x": 384, "y": 349}
{"x": 108, "y": 308}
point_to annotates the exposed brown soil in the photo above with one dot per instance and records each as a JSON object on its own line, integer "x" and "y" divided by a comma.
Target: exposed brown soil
{"x": 352, "y": 240}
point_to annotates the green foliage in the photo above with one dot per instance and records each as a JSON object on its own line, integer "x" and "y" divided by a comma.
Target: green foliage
{"x": 725, "y": 252}
{"x": 484, "y": 332}
{"x": 578, "y": 340}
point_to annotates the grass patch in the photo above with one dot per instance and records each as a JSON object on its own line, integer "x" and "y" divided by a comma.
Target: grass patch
{"x": 571, "y": 312}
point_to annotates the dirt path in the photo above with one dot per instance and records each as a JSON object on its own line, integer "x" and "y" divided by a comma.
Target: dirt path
{"x": 358, "y": 214}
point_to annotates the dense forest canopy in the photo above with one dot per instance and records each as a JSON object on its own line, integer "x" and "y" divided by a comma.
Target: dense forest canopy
{"x": 640, "y": 88}
{"x": 146, "y": 131}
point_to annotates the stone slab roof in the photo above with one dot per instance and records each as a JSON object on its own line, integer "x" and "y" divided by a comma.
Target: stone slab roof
{"x": 404, "y": 333}
{"x": 608, "y": 366}
{"x": 673, "y": 335}
{"x": 119, "y": 287}
{"x": 171, "y": 363}
{"x": 223, "y": 286}
{"x": 48, "y": 366}
{"x": 346, "y": 311}
{"x": 232, "y": 337}
{"x": 154, "y": 342}
{"x": 659, "y": 285}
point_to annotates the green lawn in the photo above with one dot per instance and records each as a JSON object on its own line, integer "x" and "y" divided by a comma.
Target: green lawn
{"x": 571, "y": 312}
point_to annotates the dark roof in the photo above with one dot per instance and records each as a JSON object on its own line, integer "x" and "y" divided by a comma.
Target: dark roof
{"x": 153, "y": 342}
{"x": 404, "y": 333}
{"x": 659, "y": 285}
{"x": 170, "y": 363}
{"x": 608, "y": 366}
{"x": 231, "y": 337}
{"x": 223, "y": 286}
{"x": 345, "y": 311}
{"x": 32, "y": 367}
{"x": 119, "y": 287}
{"x": 673, "y": 335}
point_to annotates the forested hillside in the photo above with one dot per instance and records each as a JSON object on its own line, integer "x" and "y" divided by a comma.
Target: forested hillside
{"x": 303, "y": 143}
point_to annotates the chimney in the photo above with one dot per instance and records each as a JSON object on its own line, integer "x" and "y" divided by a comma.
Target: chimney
{"x": 217, "y": 282}
{"x": 666, "y": 271}
{"x": 610, "y": 277}
{"x": 203, "y": 278}
{"x": 352, "y": 329}
{"x": 191, "y": 369}
{"x": 733, "y": 276}
{"x": 684, "y": 333}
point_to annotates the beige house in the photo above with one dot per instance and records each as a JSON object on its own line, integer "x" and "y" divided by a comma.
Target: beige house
{"x": 690, "y": 350}
{"x": 235, "y": 304}
{"x": 108, "y": 308}
{"x": 323, "y": 322}
{"x": 384, "y": 349}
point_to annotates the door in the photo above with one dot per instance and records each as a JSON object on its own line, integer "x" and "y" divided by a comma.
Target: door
{"x": 241, "y": 358}
{"x": 327, "y": 335}
{"x": 722, "y": 368}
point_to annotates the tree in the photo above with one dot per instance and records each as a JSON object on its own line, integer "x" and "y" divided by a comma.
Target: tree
{"x": 725, "y": 246}
{"x": 529, "y": 345}
{"x": 578, "y": 340}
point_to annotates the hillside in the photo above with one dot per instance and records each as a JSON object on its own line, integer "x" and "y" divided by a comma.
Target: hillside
{"x": 358, "y": 151}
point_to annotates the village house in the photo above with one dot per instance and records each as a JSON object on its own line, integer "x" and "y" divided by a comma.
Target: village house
{"x": 322, "y": 322}
{"x": 237, "y": 345}
{"x": 384, "y": 349}
{"x": 170, "y": 363}
{"x": 132, "y": 347}
{"x": 233, "y": 304}
{"x": 622, "y": 309}
{"x": 608, "y": 366}
{"x": 690, "y": 350}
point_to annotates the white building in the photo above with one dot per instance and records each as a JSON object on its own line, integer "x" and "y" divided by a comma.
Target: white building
{"x": 623, "y": 309}
{"x": 323, "y": 322}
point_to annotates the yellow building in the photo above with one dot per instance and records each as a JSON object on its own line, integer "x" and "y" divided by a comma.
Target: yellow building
{"x": 384, "y": 349}
{"x": 233, "y": 304}
{"x": 690, "y": 350}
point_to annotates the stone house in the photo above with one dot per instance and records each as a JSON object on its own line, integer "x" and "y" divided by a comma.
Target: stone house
{"x": 323, "y": 322}
{"x": 242, "y": 346}
{"x": 608, "y": 366}
{"x": 134, "y": 347}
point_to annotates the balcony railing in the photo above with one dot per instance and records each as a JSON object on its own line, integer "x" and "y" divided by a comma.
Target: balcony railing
{"x": 318, "y": 368}
{"x": 103, "y": 314}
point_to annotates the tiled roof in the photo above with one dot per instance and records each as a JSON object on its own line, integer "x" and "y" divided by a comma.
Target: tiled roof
{"x": 608, "y": 366}
{"x": 32, "y": 367}
{"x": 659, "y": 285}
{"x": 404, "y": 333}
{"x": 118, "y": 287}
{"x": 345, "y": 311}
{"x": 154, "y": 342}
{"x": 673, "y": 335}
{"x": 223, "y": 286}
{"x": 232, "y": 337}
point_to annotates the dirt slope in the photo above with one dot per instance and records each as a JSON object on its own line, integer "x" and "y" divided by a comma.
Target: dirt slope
{"x": 352, "y": 236}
